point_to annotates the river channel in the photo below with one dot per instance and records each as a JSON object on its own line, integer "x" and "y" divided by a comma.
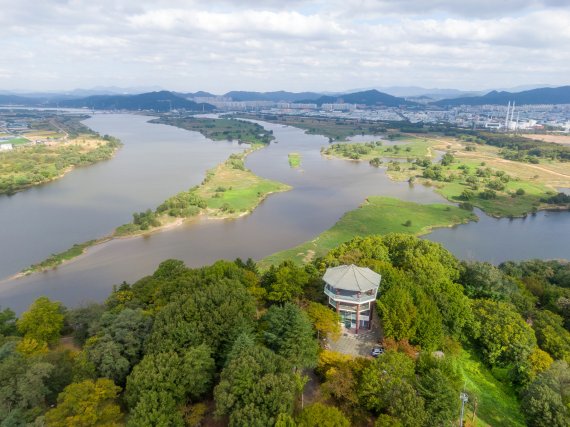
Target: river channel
{"x": 157, "y": 161}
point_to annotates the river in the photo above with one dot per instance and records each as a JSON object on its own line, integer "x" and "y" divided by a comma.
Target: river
{"x": 323, "y": 190}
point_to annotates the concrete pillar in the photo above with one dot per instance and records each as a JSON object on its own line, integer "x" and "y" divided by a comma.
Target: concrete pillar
{"x": 357, "y": 317}
{"x": 370, "y": 316}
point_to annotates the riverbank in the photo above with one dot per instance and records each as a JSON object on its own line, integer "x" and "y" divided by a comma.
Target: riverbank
{"x": 474, "y": 175}
{"x": 229, "y": 190}
{"x": 25, "y": 167}
{"x": 378, "y": 215}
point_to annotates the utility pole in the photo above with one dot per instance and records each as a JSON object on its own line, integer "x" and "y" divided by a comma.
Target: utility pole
{"x": 464, "y": 398}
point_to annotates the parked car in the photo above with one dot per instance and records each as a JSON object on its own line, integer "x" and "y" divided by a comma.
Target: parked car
{"x": 377, "y": 351}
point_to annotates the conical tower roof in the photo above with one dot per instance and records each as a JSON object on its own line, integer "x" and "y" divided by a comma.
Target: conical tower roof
{"x": 352, "y": 278}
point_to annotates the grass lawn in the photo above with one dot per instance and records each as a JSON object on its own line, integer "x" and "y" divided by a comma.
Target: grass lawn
{"x": 535, "y": 183}
{"x": 294, "y": 160}
{"x": 231, "y": 190}
{"x": 417, "y": 147}
{"x": 378, "y": 215}
{"x": 496, "y": 402}
{"x": 504, "y": 205}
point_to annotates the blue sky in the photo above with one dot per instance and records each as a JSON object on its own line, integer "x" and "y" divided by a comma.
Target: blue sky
{"x": 293, "y": 45}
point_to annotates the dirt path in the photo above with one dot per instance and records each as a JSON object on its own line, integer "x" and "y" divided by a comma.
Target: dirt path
{"x": 511, "y": 162}
{"x": 498, "y": 159}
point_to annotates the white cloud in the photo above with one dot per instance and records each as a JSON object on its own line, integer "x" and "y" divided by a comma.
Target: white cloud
{"x": 269, "y": 45}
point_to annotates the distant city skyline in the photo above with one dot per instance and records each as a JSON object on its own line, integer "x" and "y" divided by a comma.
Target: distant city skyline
{"x": 298, "y": 45}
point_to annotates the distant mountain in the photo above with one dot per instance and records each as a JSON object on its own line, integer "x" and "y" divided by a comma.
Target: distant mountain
{"x": 200, "y": 94}
{"x": 519, "y": 88}
{"x": 558, "y": 95}
{"x": 272, "y": 96}
{"x": 415, "y": 91}
{"x": 19, "y": 100}
{"x": 368, "y": 97}
{"x": 155, "y": 101}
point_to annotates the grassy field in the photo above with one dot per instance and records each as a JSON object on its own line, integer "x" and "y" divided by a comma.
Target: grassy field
{"x": 222, "y": 129}
{"x": 497, "y": 405}
{"x": 417, "y": 147}
{"x": 517, "y": 187}
{"x": 231, "y": 190}
{"x": 378, "y": 215}
{"x": 295, "y": 160}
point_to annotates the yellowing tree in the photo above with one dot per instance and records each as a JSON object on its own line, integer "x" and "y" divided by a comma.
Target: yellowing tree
{"x": 88, "y": 403}
{"x": 43, "y": 321}
{"x": 325, "y": 320}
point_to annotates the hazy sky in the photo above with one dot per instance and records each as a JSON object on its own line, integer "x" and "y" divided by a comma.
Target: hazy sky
{"x": 296, "y": 45}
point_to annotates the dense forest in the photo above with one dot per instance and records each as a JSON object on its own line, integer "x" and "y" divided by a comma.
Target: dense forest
{"x": 228, "y": 344}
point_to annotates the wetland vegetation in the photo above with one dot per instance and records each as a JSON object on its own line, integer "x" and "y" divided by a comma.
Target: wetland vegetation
{"x": 294, "y": 160}
{"x": 221, "y": 129}
{"x": 470, "y": 174}
{"x": 48, "y": 147}
{"x": 377, "y": 215}
{"x": 229, "y": 190}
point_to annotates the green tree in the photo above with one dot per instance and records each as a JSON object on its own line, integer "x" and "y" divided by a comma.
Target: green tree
{"x": 503, "y": 335}
{"x": 256, "y": 385}
{"x": 88, "y": 403}
{"x": 379, "y": 381}
{"x": 285, "y": 420}
{"x": 155, "y": 408}
{"x": 385, "y": 420}
{"x": 398, "y": 313}
{"x": 484, "y": 280}
{"x": 359, "y": 251}
{"x": 182, "y": 377}
{"x": 325, "y": 320}
{"x": 214, "y": 314}
{"x": 288, "y": 331}
{"x": 23, "y": 386}
{"x": 341, "y": 384}
{"x": 407, "y": 405}
{"x": 429, "y": 328}
{"x": 7, "y": 322}
{"x": 440, "y": 397}
{"x": 107, "y": 358}
{"x": 319, "y": 415}
{"x": 43, "y": 321}
{"x": 546, "y": 402}
{"x": 551, "y": 334}
{"x": 119, "y": 343}
{"x": 285, "y": 282}
{"x": 83, "y": 320}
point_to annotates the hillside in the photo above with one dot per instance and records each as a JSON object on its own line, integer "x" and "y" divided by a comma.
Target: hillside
{"x": 156, "y": 101}
{"x": 367, "y": 97}
{"x": 545, "y": 95}
{"x": 18, "y": 100}
{"x": 272, "y": 96}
